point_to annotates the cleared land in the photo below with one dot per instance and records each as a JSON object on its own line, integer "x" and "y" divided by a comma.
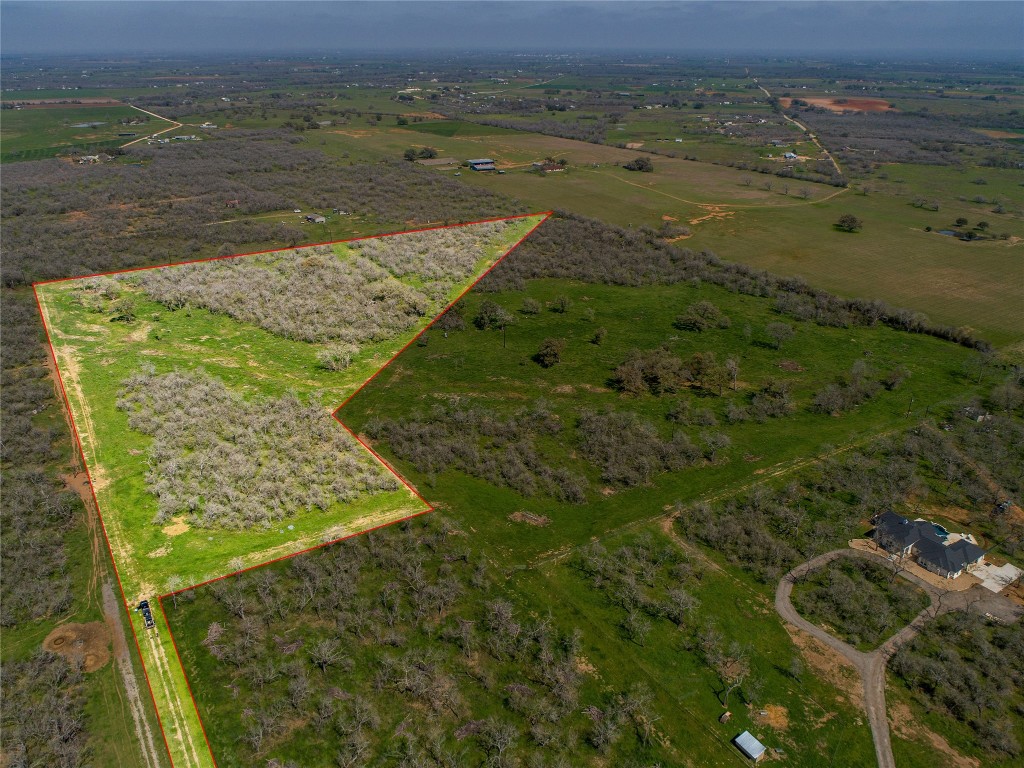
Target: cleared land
{"x": 43, "y": 131}
{"x": 105, "y": 331}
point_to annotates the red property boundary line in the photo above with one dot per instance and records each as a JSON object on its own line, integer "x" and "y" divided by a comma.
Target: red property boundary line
{"x": 92, "y": 489}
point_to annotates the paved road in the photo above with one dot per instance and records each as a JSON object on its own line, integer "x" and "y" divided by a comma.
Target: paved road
{"x": 871, "y": 666}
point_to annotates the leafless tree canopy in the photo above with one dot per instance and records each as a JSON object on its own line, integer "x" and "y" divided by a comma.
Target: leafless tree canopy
{"x": 312, "y": 295}
{"x": 228, "y": 462}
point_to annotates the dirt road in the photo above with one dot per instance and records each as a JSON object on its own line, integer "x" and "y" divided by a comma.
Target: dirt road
{"x": 871, "y": 665}
{"x": 123, "y": 661}
{"x": 807, "y": 131}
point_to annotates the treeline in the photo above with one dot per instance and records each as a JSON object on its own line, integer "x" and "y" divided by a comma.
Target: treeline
{"x": 35, "y": 510}
{"x": 576, "y": 248}
{"x": 399, "y": 647}
{"x": 221, "y": 460}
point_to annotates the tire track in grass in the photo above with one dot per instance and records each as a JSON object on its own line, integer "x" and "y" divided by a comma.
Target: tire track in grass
{"x": 123, "y": 663}
{"x": 179, "y": 722}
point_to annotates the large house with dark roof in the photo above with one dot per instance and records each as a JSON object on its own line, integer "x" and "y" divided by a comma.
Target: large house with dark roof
{"x": 930, "y": 544}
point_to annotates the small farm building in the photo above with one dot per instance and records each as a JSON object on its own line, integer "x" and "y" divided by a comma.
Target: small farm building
{"x": 315, "y": 219}
{"x": 749, "y": 746}
{"x": 483, "y": 164}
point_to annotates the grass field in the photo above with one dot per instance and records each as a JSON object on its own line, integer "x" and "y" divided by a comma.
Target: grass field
{"x": 33, "y": 134}
{"x": 954, "y": 283}
{"x": 94, "y": 356}
{"x": 474, "y": 366}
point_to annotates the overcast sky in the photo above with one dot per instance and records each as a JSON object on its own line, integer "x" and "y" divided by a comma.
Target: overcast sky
{"x": 881, "y": 29}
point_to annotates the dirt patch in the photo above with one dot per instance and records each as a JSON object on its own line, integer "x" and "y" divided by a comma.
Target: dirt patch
{"x": 714, "y": 213}
{"x": 774, "y": 716}
{"x": 354, "y": 134}
{"x": 905, "y": 725}
{"x": 634, "y": 145}
{"x": 177, "y": 528}
{"x": 844, "y": 104}
{"x": 594, "y": 389}
{"x": 790, "y": 365}
{"x": 564, "y": 389}
{"x": 139, "y": 334}
{"x": 666, "y": 217}
{"x": 830, "y": 665}
{"x": 583, "y": 665}
{"x": 85, "y": 644}
{"x": 530, "y": 519}
{"x": 994, "y": 134}
{"x": 607, "y": 491}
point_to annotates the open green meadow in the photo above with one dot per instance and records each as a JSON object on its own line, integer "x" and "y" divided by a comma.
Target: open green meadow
{"x": 36, "y": 133}
{"x": 475, "y": 367}
{"x": 734, "y": 214}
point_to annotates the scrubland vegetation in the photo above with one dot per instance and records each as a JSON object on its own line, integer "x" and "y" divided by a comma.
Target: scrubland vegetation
{"x": 858, "y": 600}
{"x": 223, "y": 461}
{"x": 551, "y": 411}
{"x": 969, "y": 672}
{"x": 314, "y": 295}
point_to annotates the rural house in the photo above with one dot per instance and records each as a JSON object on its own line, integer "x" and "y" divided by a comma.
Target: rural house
{"x": 316, "y": 219}
{"x": 483, "y": 164}
{"x": 934, "y": 548}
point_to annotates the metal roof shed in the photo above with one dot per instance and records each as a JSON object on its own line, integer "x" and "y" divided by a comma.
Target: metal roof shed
{"x": 749, "y": 746}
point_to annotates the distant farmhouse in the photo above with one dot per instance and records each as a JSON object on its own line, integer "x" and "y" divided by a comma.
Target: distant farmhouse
{"x": 935, "y": 549}
{"x": 315, "y": 219}
{"x": 483, "y": 164}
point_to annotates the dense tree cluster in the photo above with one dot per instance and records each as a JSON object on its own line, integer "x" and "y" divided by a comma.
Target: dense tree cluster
{"x": 399, "y": 648}
{"x": 894, "y": 137}
{"x": 972, "y": 670}
{"x": 42, "y": 716}
{"x": 859, "y": 600}
{"x": 628, "y": 450}
{"x": 649, "y": 580}
{"x": 437, "y": 259}
{"x": 313, "y": 295}
{"x": 484, "y": 444}
{"x": 857, "y": 387}
{"x": 221, "y": 460}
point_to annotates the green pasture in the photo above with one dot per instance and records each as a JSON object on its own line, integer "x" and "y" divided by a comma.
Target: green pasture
{"x": 31, "y": 134}
{"x": 476, "y": 367}
{"x": 892, "y": 258}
